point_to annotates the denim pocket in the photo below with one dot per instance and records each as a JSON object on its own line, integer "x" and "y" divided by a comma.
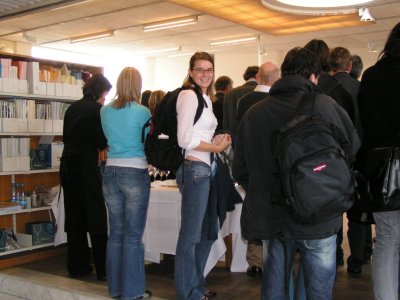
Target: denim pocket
{"x": 200, "y": 171}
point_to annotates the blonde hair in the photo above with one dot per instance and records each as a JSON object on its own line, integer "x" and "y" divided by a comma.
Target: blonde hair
{"x": 154, "y": 99}
{"x": 129, "y": 85}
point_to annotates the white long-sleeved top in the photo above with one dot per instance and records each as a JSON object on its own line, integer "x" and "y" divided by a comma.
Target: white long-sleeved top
{"x": 189, "y": 135}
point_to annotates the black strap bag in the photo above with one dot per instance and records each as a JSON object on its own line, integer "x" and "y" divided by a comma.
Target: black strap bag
{"x": 378, "y": 179}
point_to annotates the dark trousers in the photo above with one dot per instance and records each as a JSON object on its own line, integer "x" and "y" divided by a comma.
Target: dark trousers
{"x": 339, "y": 250}
{"x": 79, "y": 253}
{"x": 84, "y": 212}
{"x": 360, "y": 242}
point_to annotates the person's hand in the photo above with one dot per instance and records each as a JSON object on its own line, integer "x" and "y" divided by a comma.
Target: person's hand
{"x": 222, "y": 141}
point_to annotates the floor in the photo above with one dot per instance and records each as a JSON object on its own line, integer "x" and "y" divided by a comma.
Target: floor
{"x": 230, "y": 286}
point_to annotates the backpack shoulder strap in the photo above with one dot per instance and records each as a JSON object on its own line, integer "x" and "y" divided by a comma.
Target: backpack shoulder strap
{"x": 201, "y": 104}
{"x": 147, "y": 124}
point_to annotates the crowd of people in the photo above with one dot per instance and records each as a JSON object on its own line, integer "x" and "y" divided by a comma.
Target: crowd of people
{"x": 246, "y": 119}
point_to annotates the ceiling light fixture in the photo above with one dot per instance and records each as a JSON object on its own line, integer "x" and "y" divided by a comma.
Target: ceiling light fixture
{"x": 365, "y": 15}
{"x": 69, "y": 5}
{"x": 160, "y": 51}
{"x": 93, "y": 36}
{"x": 170, "y": 23}
{"x": 235, "y": 41}
{"x": 314, "y": 7}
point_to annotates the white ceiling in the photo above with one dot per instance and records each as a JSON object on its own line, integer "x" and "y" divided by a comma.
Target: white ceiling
{"x": 53, "y": 28}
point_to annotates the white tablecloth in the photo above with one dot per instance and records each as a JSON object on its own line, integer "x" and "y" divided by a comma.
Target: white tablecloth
{"x": 162, "y": 230}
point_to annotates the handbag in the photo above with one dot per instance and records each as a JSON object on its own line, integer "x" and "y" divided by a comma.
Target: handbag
{"x": 378, "y": 179}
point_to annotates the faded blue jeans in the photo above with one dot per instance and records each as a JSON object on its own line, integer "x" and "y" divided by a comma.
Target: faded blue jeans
{"x": 193, "y": 247}
{"x": 385, "y": 260}
{"x": 126, "y": 191}
{"x": 300, "y": 292}
{"x": 318, "y": 261}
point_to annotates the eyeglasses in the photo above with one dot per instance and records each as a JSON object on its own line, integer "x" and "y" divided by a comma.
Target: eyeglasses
{"x": 202, "y": 71}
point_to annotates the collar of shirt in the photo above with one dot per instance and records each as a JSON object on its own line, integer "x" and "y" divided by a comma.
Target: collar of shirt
{"x": 262, "y": 88}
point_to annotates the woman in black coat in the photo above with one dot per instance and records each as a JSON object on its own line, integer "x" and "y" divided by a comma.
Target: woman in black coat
{"x": 379, "y": 102}
{"x": 85, "y": 209}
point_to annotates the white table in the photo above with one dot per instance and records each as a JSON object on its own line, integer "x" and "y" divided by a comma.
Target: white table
{"x": 162, "y": 230}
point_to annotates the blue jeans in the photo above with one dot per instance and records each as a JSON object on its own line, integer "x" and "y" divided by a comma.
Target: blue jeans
{"x": 193, "y": 247}
{"x": 300, "y": 292}
{"x": 126, "y": 191}
{"x": 318, "y": 262}
{"x": 385, "y": 262}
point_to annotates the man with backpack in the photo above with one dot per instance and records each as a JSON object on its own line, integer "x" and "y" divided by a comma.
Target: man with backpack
{"x": 296, "y": 204}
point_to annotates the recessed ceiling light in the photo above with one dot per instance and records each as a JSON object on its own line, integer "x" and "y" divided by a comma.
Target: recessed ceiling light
{"x": 325, "y": 3}
{"x": 315, "y": 7}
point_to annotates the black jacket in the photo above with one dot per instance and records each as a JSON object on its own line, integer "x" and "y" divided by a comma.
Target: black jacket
{"x": 352, "y": 86}
{"x": 254, "y": 166}
{"x": 80, "y": 176}
{"x": 230, "y": 104}
{"x": 332, "y": 88}
{"x": 379, "y": 102}
{"x": 218, "y": 109}
{"x": 248, "y": 101}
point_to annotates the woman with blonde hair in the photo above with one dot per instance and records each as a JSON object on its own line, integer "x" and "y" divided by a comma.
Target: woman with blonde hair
{"x": 194, "y": 176}
{"x": 126, "y": 188}
{"x": 154, "y": 99}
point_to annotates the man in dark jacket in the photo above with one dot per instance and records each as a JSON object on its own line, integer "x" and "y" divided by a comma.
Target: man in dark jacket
{"x": 254, "y": 167}
{"x": 231, "y": 98}
{"x": 267, "y": 75}
{"x": 223, "y": 85}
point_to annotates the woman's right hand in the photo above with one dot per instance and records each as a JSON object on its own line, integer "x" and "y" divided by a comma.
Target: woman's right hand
{"x": 222, "y": 141}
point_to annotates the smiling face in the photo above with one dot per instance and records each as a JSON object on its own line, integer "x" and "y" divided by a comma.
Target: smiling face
{"x": 202, "y": 74}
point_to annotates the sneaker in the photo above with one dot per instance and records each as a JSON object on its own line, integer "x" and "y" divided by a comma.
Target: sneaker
{"x": 210, "y": 294}
{"x": 146, "y": 295}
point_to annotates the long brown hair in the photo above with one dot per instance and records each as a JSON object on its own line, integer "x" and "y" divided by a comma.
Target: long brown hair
{"x": 129, "y": 85}
{"x": 189, "y": 82}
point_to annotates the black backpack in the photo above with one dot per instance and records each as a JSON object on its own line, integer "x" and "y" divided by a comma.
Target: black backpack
{"x": 161, "y": 144}
{"x": 315, "y": 167}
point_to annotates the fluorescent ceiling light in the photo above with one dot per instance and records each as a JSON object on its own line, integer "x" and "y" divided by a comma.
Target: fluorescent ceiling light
{"x": 181, "y": 54}
{"x": 161, "y": 51}
{"x": 234, "y": 41}
{"x": 93, "y": 36}
{"x": 69, "y": 5}
{"x": 324, "y": 3}
{"x": 170, "y": 23}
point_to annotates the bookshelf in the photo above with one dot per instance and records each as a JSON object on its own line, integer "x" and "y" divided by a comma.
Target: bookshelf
{"x": 42, "y": 85}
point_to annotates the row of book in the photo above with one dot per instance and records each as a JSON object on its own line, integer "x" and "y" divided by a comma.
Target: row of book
{"x": 14, "y": 147}
{"x": 30, "y": 109}
{"x": 45, "y": 73}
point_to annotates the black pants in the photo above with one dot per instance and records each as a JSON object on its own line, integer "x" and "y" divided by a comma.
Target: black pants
{"x": 84, "y": 212}
{"x": 360, "y": 242}
{"x": 79, "y": 253}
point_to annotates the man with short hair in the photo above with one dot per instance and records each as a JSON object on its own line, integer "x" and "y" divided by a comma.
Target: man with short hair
{"x": 231, "y": 98}
{"x": 223, "y": 85}
{"x": 255, "y": 168}
{"x": 267, "y": 75}
{"x": 356, "y": 66}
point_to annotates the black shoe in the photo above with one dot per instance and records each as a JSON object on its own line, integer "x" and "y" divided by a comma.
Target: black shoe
{"x": 210, "y": 294}
{"x": 81, "y": 273}
{"x": 254, "y": 271}
{"x": 354, "y": 271}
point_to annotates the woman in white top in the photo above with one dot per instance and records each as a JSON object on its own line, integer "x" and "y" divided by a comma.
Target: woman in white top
{"x": 194, "y": 176}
